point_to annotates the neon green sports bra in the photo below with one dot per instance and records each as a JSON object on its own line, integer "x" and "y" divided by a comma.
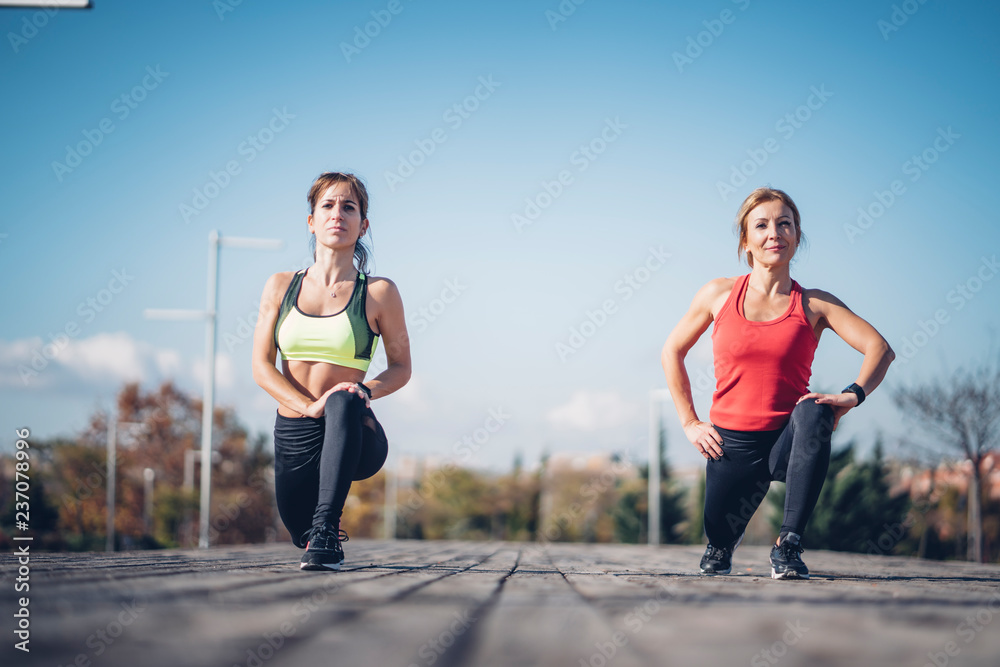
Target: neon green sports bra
{"x": 344, "y": 338}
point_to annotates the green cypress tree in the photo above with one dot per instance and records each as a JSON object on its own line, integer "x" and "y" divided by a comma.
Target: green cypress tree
{"x": 631, "y": 513}
{"x": 855, "y": 511}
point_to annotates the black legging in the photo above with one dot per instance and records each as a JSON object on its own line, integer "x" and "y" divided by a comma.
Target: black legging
{"x": 316, "y": 459}
{"x": 797, "y": 453}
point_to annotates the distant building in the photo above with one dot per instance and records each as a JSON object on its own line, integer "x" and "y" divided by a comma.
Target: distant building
{"x": 920, "y": 482}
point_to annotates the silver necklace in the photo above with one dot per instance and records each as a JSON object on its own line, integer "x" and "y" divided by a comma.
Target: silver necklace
{"x": 333, "y": 294}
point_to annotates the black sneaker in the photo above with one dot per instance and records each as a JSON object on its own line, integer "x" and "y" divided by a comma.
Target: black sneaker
{"x": 323, "y": 550}
{"x": 785, "y": 561}
{"x": 717, "y": 560}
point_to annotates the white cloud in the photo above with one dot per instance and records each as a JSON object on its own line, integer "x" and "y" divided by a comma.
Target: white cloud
{"x": 225, "y": 371}
{"x": 104, "y": 360}
{"x": 114, "y": 355}
{"x": 168, "y": 362}
{"x": 590, "y": 410}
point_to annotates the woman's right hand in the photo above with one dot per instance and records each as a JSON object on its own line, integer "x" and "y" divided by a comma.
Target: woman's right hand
{"x": 705, "y": 438}
{"x": 318, "y": 407}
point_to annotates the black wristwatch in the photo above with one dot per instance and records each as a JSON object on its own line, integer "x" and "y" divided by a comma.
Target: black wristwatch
{"x": 855, "y": 389}
{"x": 368, "y": 391}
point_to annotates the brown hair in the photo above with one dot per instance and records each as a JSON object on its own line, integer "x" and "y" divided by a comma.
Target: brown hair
{"x": 321, "y": 185}
{"x": 756, "y": 198}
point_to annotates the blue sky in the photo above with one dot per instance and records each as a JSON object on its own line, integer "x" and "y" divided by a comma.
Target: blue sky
{"x": 635, "y": 129}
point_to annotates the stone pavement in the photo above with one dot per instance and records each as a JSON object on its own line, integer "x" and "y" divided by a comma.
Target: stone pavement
{"x": 413, "y": 603}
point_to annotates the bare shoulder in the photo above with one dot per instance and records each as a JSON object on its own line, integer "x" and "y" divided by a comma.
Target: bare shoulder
{"x": 718, "y": 286}
{"x": 382, "y": 292}
{"x": 820, "y": 300}
{"x": 382, "y": 289}
{"x": 713, "y": 294}
{"x": 276, "y": 285}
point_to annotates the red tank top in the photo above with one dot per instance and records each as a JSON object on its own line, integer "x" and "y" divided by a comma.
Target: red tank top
{"x": 761, "y": 368}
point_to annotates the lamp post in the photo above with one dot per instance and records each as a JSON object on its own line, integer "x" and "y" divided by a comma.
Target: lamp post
{"x": 215, "y": 241}
{"x": 389, "y": 513}
{"x": 111, "y": 473}
{"x": 148, "y": 476}
{"x": 656, "y": 396}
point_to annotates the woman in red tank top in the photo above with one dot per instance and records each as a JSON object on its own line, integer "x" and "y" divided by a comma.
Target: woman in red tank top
{"x": 765, "y": 423}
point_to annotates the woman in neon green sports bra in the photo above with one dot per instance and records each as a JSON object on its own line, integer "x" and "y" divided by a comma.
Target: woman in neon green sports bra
{"x": 325, "y": 322}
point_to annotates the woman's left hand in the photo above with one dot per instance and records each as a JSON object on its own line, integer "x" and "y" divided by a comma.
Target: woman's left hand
{"x": 354, "y": 389}
{"x": 840, "y": 403}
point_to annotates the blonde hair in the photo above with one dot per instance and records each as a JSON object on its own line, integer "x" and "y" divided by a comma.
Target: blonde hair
{"x": 756, "y": 198}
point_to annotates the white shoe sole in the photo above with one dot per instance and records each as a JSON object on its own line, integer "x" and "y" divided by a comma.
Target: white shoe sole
{"x": 319, "y": 566}
{"x": 790, "y": 574}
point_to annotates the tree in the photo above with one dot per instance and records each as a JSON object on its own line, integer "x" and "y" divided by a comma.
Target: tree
{"x": 169, "y": 425}
{"x": 695, "y": 532}
{"x": 631, "y": 513}
{"x": 962, "y": 413}
{"x": 855, "y": 511}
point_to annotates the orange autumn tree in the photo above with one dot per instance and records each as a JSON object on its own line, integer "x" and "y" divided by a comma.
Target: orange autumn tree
{"x": 154, "y": 431}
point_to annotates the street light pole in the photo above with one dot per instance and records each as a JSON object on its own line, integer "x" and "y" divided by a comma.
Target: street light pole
{"x": 109, "y": 543}
{"x": 389, "y": 513}
{"x": 215, "y": 242}
{"x": 208, "y": 402}
{"x": 148, "y": 476}
{"x": 112, "y": 467}
{"x": 655, "y": 462}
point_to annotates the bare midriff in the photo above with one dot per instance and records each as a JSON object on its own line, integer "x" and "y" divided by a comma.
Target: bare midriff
{"x": 314, "y": 378}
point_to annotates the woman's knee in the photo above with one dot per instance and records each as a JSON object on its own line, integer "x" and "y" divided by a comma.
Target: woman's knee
{"x": 813, "y": 426}
{"x": 813, "y": 416}
{"x": 342, "y": 403}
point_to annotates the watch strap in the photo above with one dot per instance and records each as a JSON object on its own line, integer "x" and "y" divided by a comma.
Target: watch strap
{"x": 856, "y": 389}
